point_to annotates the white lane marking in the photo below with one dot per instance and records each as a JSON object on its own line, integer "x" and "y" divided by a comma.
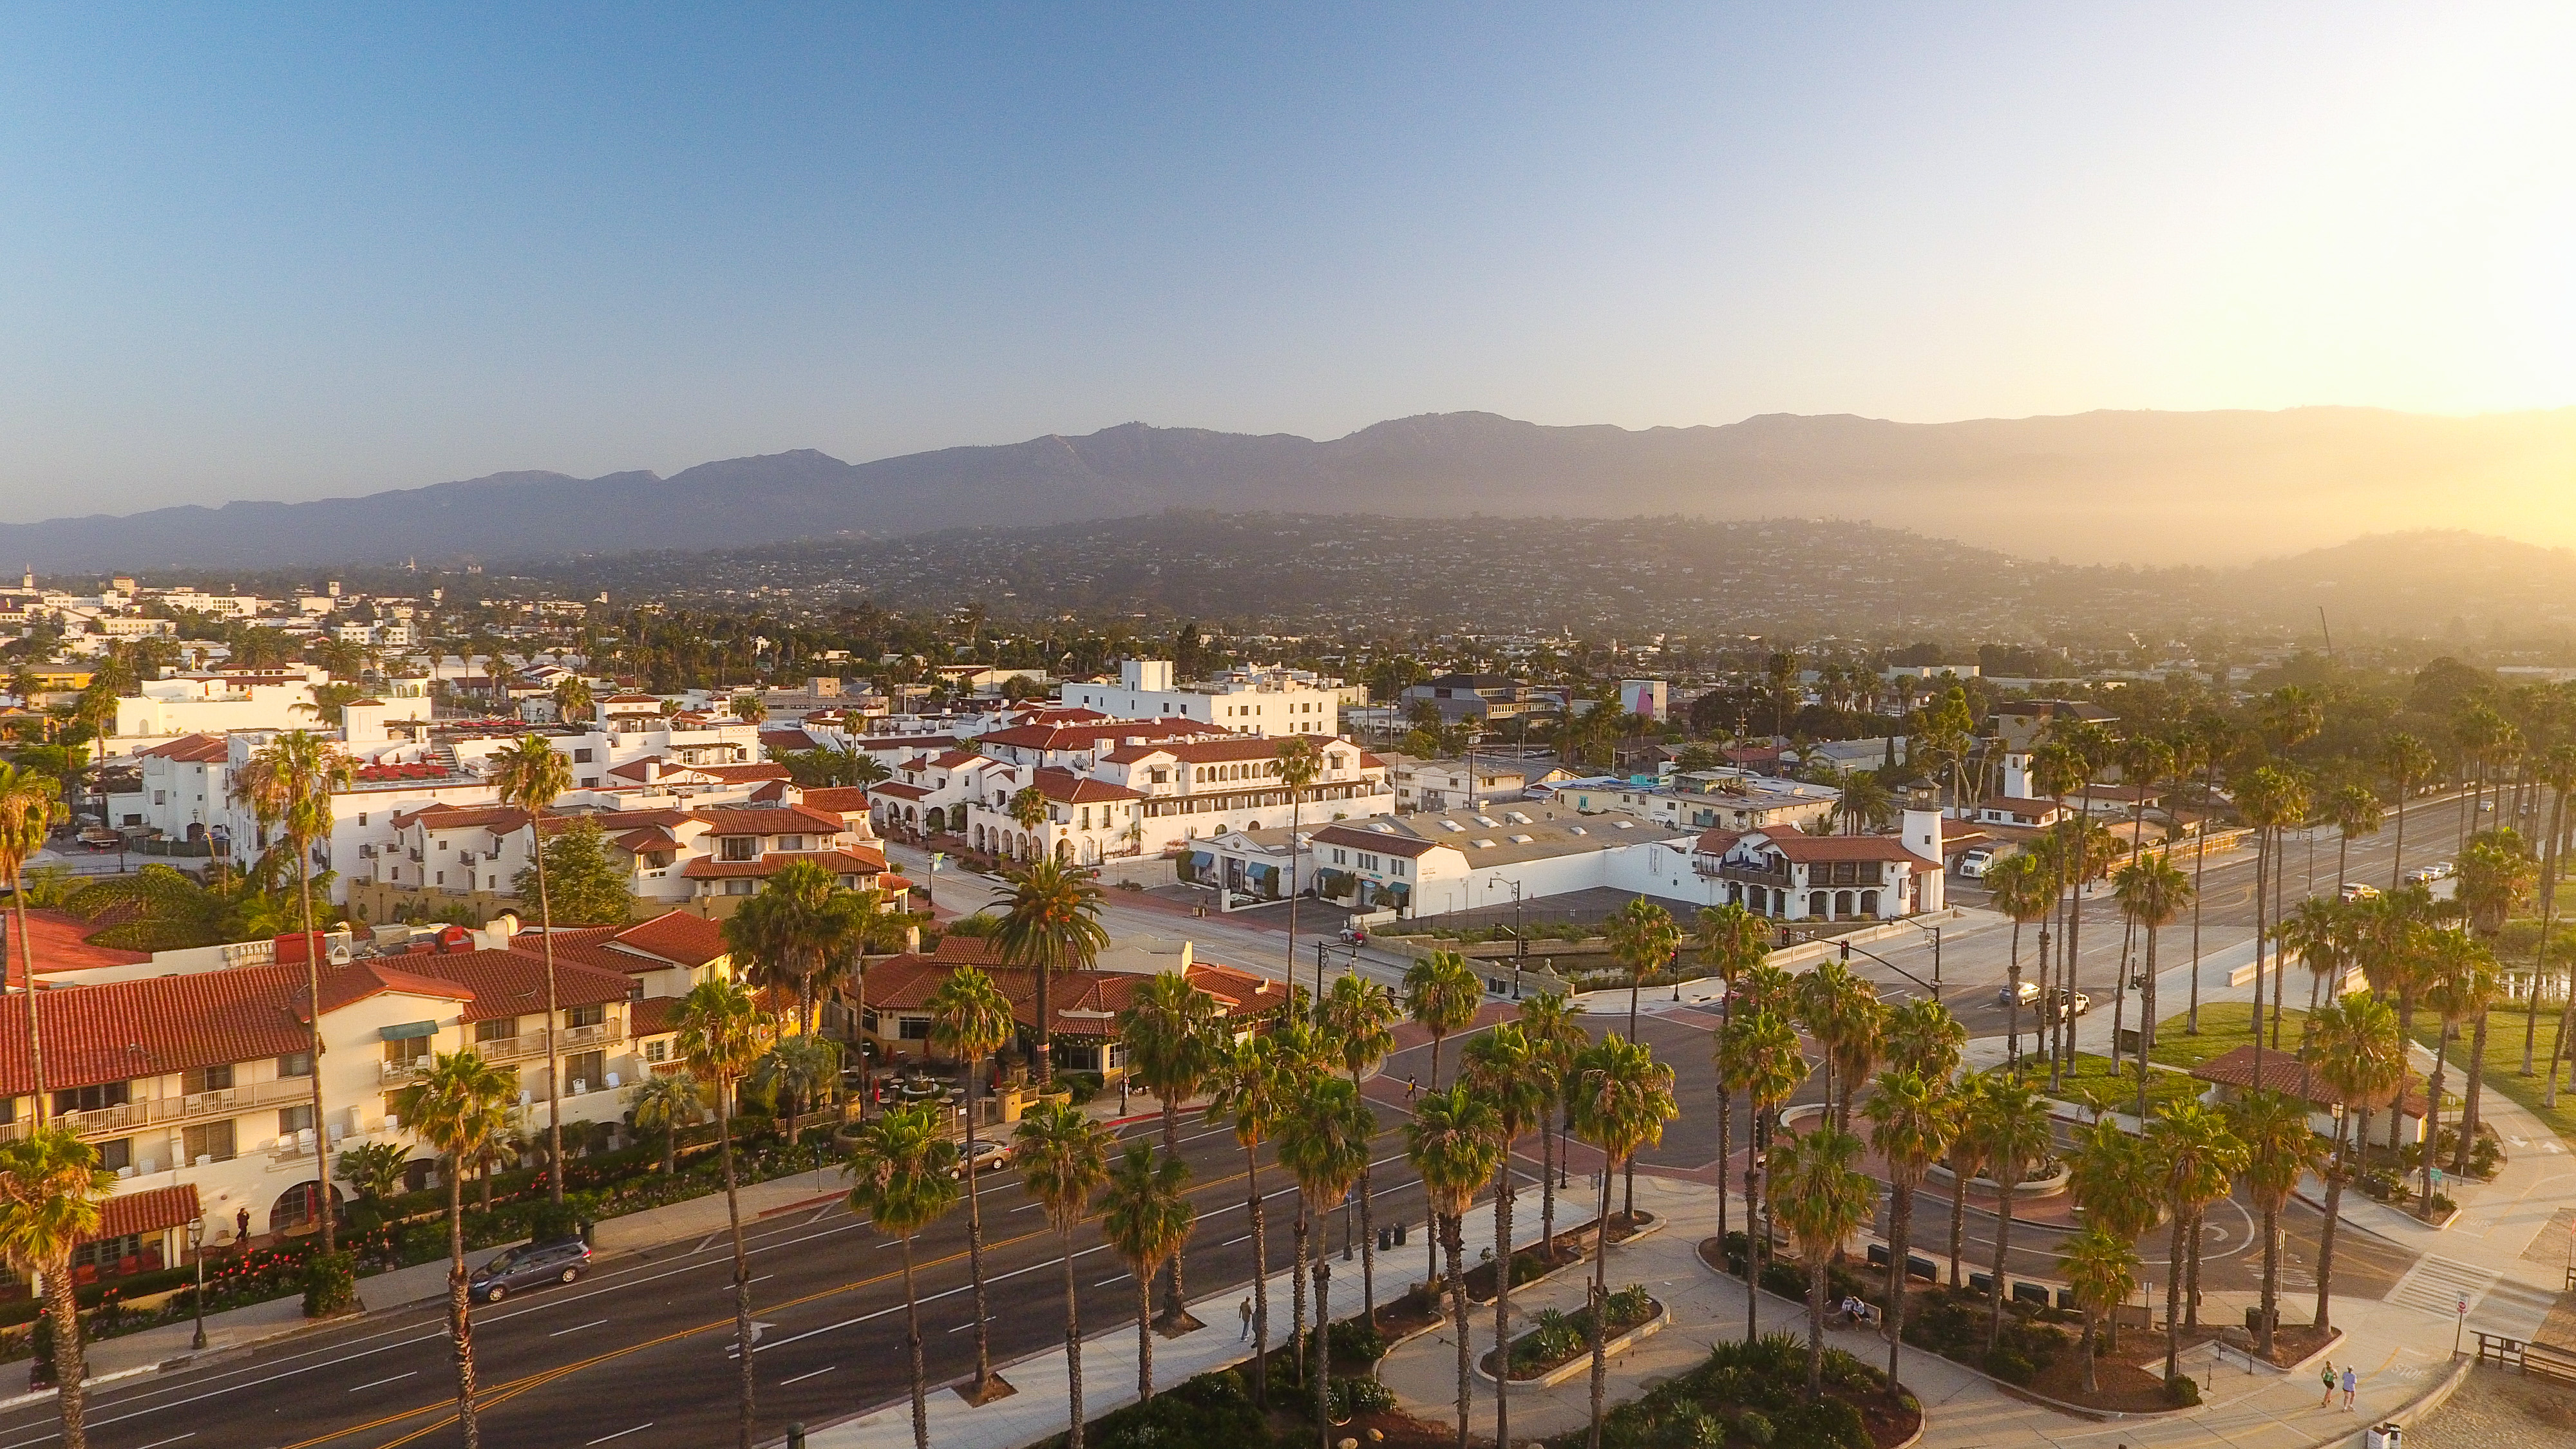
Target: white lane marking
{"x": 704, "y": 1243}
{"x": 816, "y": 1374}
{"x": 1121, "y": 1278}
{"x": 620, "y": 1434}
{"x": 173, "y": 1439}
{"x": 1230, "y": 1242}
{"x": 970, "y": 1323}
{"x": 578, "y": 1327}
{"x": 398, "y": 1378}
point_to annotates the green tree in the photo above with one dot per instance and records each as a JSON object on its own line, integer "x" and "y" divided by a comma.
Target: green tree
{"x": 1322, "y": 1143}
{"x": 530, "y": 776}
{"x": 375, "y": 1169}
{"x": 1554, "y": 1026}
{"x": 2354, "y": 1049}
{"x": 1922, "y": 1036}
{"x": 2496, "y": 877}
{"x": 1841, "y": 1012}
{"x": 1300, "y": 764}
{"x": 1912, "y": 1118}
{"x": 1359, "y": 1019}
{"x": 1509, "y": 1073}
{"x": 2152, "y": 890}
{"x": 2408, "y": 762}
{"x": 2010, "y": 1124}
{"x": 2280, "y": 1148}
{"x": 1454, "y": 1142}
{"x": 1643, "y": 939}
{"x": 51, "y": 1191}
{"x": 2106, "y": 1173}
{"x": 1758, "y": 1057}
{"x": 1175, "y": 1035}
{"x": 583, "y": 885}
{"x": 572, "y": 698}
{"x": 287, "y": 784}
{"x": 2461, "y": 983}
{"x": 1441, "y": 994}
{"x": 720, "y": 1033}
{"x": 2194, "y": 1155}
{"x": 460, "y": 1106}
{"x": 903, "y": 1177}
{"x": 2021, "y": 886}
{"x": 2103, "y": 1271}
{"x": 665, "y": 1102}
{"x": 1621, "y": 1099}
{"x": 2355, "y": 812}
{"x": 970, "y": 1020}
{"x": 1063, "y": 1158}
{"x": 1824, "y": 1198}
{"x": 1253, "y": 1092}
{"x": 1050, "y": 925}
{"x": 1146, "y": 1217}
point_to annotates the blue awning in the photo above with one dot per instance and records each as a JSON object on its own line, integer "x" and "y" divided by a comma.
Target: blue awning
{"x": 407, "y": 1031}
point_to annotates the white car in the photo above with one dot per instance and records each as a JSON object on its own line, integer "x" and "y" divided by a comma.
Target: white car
{"x": 2356, "y": 891}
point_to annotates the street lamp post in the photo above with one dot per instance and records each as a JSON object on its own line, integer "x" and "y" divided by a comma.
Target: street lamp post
{"x": 197, "y": 1250}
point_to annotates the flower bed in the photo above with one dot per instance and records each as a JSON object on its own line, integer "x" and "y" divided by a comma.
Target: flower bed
{"x": 1753, "y": 1396}
{"x": 1557, "y": 1338}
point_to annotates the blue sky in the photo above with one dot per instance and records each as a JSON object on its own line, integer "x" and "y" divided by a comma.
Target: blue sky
{"x": 281, "y": 252}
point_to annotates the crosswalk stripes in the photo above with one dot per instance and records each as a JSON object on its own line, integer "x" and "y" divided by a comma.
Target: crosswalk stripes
{"x": 2436, "y": 1285}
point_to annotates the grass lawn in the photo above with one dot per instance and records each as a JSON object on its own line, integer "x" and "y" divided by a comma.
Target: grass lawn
{"x": 2224, "y": 1026}
{"x": 2504, "y": 1064}
{"x": 2106, "y": 1086}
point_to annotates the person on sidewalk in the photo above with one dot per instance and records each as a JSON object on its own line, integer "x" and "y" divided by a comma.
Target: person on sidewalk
{"x": 1246, "y": 1311}
{"x": 2350, "y": 1382}
{"x": 2329, "y": 1376}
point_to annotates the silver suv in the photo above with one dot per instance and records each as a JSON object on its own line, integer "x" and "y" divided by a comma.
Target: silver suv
{"x": 528, "y": 1265}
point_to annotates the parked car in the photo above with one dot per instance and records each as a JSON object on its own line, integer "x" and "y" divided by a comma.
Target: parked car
{"x": 2083, "y": 1003}
{"x": 526, "y": 1266}
{"x": 2423, "y": 875}
{"x": 2029, "y": 993}
{"x": 2357, "y": 891}
{"x": 2444, "y": 870}
{"x": 989, "y": 1155}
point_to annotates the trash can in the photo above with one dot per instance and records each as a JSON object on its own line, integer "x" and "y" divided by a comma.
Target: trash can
{"x": 2384, "y": 1436}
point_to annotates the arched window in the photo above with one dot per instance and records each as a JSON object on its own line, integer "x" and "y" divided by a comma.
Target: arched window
{"x": 1818, "y": 904}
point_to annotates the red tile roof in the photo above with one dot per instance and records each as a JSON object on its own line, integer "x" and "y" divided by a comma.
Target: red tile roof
{"x": 1088, "y": 736}
{"x": 54, "y": 939}
{"x": 692, "y": 941}
{"x": 1072, "y": 789}
{"x": 153, "y": 1210}
{"x": 189, "y": 749}
{"x": 842, "y": 800}
{"x": 1083, "y": 1003}
{"x": 1814, "y": 849}
{"x": 2284, "y": 1072}
{"x": 513, "y": 983}
{"x": 653, "y": 1016}
{"x": 856, "y": 860}
{"x": 787, "y": 739}
{"x": 771, "y": 820}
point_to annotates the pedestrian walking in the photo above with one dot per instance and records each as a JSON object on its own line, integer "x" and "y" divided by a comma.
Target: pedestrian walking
{"x": 241, "y": 1226}
{"x": 1246, "y": 1311}
{"x": 1411, "y": 1089}
{"x": 2350, "y": 1382}
{"x": 2329, "y": 1377}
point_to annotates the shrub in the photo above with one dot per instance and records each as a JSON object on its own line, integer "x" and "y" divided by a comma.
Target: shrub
{"x": 1360, "y": 1396}
{"x": 330, "y": 1284}
{"x": 1755, "y": 1426}
{"x": 1824, "y": 1424}
{"x": 2009, "y": 1364}
{"x": 1356, "y": 1342}
{"x": 2182, "y": 1392}
{"x": 1211, "y": 1411}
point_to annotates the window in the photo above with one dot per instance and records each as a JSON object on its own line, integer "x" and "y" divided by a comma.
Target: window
{"x": 586, "y": 1071}
{"x": 410, "y": 1051}
{"x": 93, "y": 1099}
{"x": 791, "y": 842}
{"x": 295, "y": 1064}
{"x": 738, "y": 847}
{"x": 118, "y": 1155}
{"x": 108, "y": 1255}
{"x": 206, "y": 1079}
{"x": 210, "y": 1143}
{"x": 295, "y": 1119}
{"x": 912, "y": 1028}
{"x": 738, "y": 887}
{"x": 1337, "y": 857}
{"x": 499, "y": 1028}
{"x": 581, "y": 757}
{"x": 590, "y": 1015}
{"x": 1395, "y": 867}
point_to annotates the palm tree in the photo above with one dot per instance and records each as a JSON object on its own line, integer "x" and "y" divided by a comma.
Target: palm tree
{"x": 1508, "y": 1073}
{"x": 2194, "y": 1155}
{"x": 1555, "y": 1032}
{"x": 1732, "y": 941}
{"x": 1841, "y": 1011}
{"x": 1441, "y": 994}
{"x": 1825, "y": 1198}
{"x": 970, "y": 1019}
{"x": 1622, "y": 1098}
{"x": 530, "y": 776}
{"x": 1912, "y": 1119}
{"x": 2496, "y": 875}
{"x": 51, "y": 1190}
{"x": 2408, "y": 763}
{"x": 1146, "y": 1217}
{"x": 288, "y": 783}
{"x": 2280, "y": 1148}
{"x": 720, "y": 1032}
{"x": 461, "y": 1107}
{"x": 1063, "y": 1158}
{"x": 2353, "y": 1048}
{"x": 1323, "y": 1143}
{"x": 1175, "y": 1034}
{"x": 1300, "y": 763}
{"x": 803, "y": 1072}
{"x": 903, "y": 1177}
{"x": 1923, "y": 1037}
{"x": 2355, "y": 811}
{"x": 2556, "y": 771}
{"x": 1454, "y": 1142}
{"x": 572, "y": 698}
{"x": 2010, "y": 1123}
{"x": 1051, "y": 925}
{"x": 2152, "y": 890}
{"x": 1254, "y": 1090}
{"x": 2461, "y": 984}
{"x": 30, "y": 802}
{"x": 1759, "y": 1057}
{"x": 1028, "y": 810}
{"x": 1642, "y": 938}
{"x": 2103, "y": 1271}
{"x": 2108, "y": 1168}
{"x": 665, "y": 1102}
{"x": 2268, "y": 799}
{"x": 2021, "y": 887}
{"x": 1359, "y": 1019}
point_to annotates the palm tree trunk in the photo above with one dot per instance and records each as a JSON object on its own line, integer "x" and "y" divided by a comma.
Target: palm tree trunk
{"x": 2091, "y": 1385}
{"x": 2406, "y": 1059}
{"x": 912, "y": 1342}
{"x": 2173, "y": 1298}
{"x": 2540, "y": 956}
{"x": 1260, "y": 1282}
{"x": 2146, "y": 1021}
{"x": 63, "y": 1307}
{"x": 1453, "y": 1238}
{"x": 2199, "y": 871}
{"x": 2477, "y": 1083}
{"x": 1072, "y": 1341}
{"x": 2335, "y": 1169}
{"x": 1815, "y": 1323}
{"x": 1174, "y": 1298}
{"x": 313, "y": 994}
{"x": 1324, "y": 1350}
{"x": 1503, "y": 1194}
{"x": 2397, "y": 855}
{"x": 2012, "y": 1024}
{"x": 1144, "y": 1338}
{"x": 1368, "y": 1237}
{"x": 1297, "y": 1288}
{"x": 2191, "y": 1290}
{"x": 2271, "y": 1279}
{"x": 1725, "y": 1153}
{"x": 1296, "y": 802}
{"x": 1958, "y": 1219}
{"x": 2254, "y": 1022}
{"x": 1598, "y": 1301}
{"x": 2003, "y": 1245}
{"x": 1046, "y": 1038}
{"x": 974, "y": 1244}
{"x": 460, "y": 1304}
{"x": 2280, "y": 968}
{"x": 741, "y": 1265}
{"x": 1901, "y": 1224}
{"x": 554, "y": 1062}
{"x": 2433, "y": 1110}
{"x": 27, "y": 964}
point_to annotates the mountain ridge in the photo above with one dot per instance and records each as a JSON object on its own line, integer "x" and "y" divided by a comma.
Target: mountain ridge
{"x": 2102, "y": 486}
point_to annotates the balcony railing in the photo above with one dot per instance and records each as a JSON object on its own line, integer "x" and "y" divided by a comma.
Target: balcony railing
{"x": 390, "y": 1073}
{"x": 533, "y": 1043}
{"x": 222, "y": 1102}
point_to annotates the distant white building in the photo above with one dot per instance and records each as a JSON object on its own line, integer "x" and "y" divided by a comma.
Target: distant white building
{"x": 1244, "y": 702}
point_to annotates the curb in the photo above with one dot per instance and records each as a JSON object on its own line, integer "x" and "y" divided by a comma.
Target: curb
{"x": 1582, "y": 1363}
{"x": 37, "y": 1396}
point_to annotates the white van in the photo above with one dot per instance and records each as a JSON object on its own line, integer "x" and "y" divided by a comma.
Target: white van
{"x": 1973, "y": 864}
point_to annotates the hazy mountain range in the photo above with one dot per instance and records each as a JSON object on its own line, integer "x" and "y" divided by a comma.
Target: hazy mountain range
{"x": 2164, "y": 488}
